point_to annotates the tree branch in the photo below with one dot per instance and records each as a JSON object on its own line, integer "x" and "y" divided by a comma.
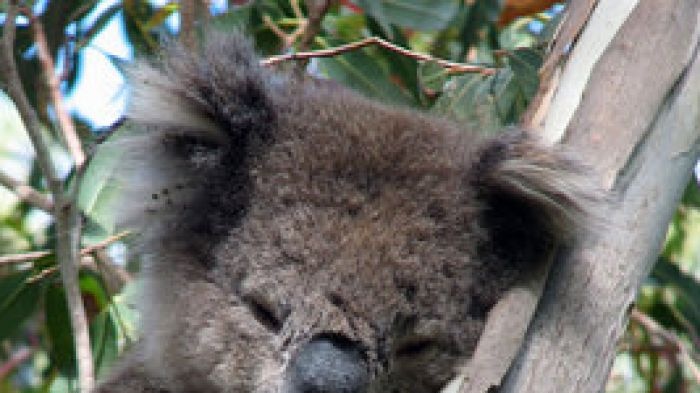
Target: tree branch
{"x": 31, "y": 256}
{"x": 317, "y": 9}
{"x": 13, "y": 86}
{"x": 188, "y": 16}
{"x": 14, "y": 361}
{"x": 653, "y": 328}
{"x": 65, "y": 212}
{"x": 65, "y": 123}
{"x": 636, "y": 121}
{"x": 330, "y": 52}
{"x": 27, "y": 193}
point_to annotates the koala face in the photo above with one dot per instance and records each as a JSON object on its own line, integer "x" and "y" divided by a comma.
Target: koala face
{"x": 307, "y": 240}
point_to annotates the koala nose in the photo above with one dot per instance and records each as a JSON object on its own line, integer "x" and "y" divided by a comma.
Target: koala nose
{"x": 329, "y": 364}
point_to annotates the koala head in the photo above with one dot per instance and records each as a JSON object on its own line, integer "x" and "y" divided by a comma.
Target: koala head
{"x": 304, "y": 239}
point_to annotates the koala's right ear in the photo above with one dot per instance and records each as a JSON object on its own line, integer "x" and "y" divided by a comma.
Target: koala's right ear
{"x": 196, "y": 118}
{"x": 219, "y": 94}
{"x": 532, "y": 196}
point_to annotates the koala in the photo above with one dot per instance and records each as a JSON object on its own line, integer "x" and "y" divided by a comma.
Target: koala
{"x": 302, "y": 238}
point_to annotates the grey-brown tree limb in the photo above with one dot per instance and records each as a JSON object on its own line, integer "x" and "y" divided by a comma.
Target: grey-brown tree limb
{"x": 629, "y": 99}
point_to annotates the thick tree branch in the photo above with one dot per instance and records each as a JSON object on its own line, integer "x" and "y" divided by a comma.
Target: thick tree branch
{"x": 68, "y": 229}
{"x": 637, "y": 122}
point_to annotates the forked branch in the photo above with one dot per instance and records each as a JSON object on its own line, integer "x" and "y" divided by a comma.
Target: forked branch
{"x": 330, "y": 52}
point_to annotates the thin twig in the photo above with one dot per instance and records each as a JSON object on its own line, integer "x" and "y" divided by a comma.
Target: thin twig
{"x": 115, "y": 276}
{"x": 317, "y": 10}
{"x": 187, "y": 17}
{"x": 296, "y": 8}
{"x": 52, "y": 80}
{"x": 26, "y": 193}
{"x": 14, "y": 361}
{"x": 657, "y": 330}
{"x": 31, "y": 256}
{"x": 330, "y": 52}
{"x": 14, "y": 89}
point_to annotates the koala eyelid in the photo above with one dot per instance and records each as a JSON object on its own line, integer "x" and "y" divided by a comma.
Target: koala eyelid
{"x": 263, "y": 313}
{"x": 415, "y": 347}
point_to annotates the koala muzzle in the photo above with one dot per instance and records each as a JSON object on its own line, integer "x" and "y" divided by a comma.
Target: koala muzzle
{"x": 328, "y": 364}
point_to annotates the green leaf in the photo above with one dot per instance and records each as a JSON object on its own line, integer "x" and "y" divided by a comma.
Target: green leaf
{"x": 419, "y": 14}
{"x": 431, "y": 76}
{"x": 60, "y": 333}
{"x": 375, "y": 9}
{"x": 92, "y": 286}
{"x": 468, "y": 100}
{"x": 99, "y": 190}
{"x": 526, "y": 64}
{"x": 413, "y": 14}
{"x": 104, "y": 340}
{"x": 691, "y": 196}
{"x": 687, "y": 301}
{"x": 505, "y": 94}
{"x": 103, "y": 328}
{"x": 363, "y": 73}
{"x": 474, "y": 22}
{"x": 402, "y": 69}
{"x": 124, "y": 309}
{"x": 18, "y": 300}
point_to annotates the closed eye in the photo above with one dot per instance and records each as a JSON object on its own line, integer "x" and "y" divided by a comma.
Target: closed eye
{"x": 263, "y": 313}
{"x": 415, "y": 347}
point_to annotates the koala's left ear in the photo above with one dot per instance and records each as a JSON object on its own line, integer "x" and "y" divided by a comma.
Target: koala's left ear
{"x": 532, "y": 196}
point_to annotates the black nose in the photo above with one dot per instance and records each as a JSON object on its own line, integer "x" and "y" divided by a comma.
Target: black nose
{"x": 328, "y": 364}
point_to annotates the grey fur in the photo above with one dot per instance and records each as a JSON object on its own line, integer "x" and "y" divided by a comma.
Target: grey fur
{"x": 280, "y": 213}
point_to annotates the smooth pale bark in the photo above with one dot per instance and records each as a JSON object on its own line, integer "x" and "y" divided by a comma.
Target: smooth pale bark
{"x": 637, "y": 122}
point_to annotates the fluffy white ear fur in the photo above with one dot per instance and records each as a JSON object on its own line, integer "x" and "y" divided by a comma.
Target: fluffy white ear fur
{"x": 557, "y": 190}
{"x": 158, "y": 101}
{"x": 154, "y": 185}
{"x": 567, "y": 197}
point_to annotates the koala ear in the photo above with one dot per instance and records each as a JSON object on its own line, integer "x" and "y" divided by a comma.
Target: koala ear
{"x": 195, "y": 120}
{"x": 219, "y": 94}
{"x": 532, "y": 196}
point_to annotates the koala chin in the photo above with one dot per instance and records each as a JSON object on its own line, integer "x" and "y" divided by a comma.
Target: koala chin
{"x": 301, "y": 238}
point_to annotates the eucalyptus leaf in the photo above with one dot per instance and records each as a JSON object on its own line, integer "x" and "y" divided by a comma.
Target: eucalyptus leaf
{"x": 60, "y": 333}
{"x": 99, "y": 190}
{"x": 526, "y": 64}
{"x": 424, "y": 15}
{"x": 467, "y": 99}
{"x": 104, "y": 340}
{"x": 18, "y": 300}
{"x": 364, "y": 73}
{"x": 431, "y": 76}
{"x": 376, "y": 10}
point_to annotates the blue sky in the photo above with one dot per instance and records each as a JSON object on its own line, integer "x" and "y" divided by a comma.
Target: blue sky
{"x": 99, "y": 95}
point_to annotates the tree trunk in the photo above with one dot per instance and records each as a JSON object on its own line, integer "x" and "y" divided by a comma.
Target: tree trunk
{"x": 629, "y": 100}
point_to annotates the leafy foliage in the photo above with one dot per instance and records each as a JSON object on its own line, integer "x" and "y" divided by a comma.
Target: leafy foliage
{"x": 33, "y": 311}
